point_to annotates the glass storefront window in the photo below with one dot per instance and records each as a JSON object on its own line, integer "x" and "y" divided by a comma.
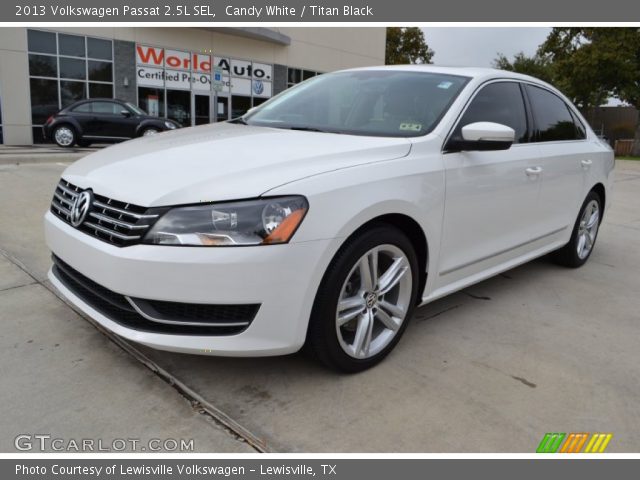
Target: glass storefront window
{"x": 258, "y": 101}
{"x": 100, "y": 71}
{"x": 71, "y": 45}
{"x": 100, "y": 90}
{"x": 43, "y": 66}
{"x": 151, "y": 100}
{"x": 179, "y": 106}
{"x": 66, "y": 61}
{"x": 98, "y": 48}
{"x": 240, "y": 104}
{"x": 44, "y": 99}
{"x": 297, "y": 75}
{"x": 41, "y": 42}
{"x": 73, "y": 68}
{"x": 72, "y": 92}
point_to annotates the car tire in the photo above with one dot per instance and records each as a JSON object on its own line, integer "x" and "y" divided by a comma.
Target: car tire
{"x": 583, "y": 237}
{"x": 334, "y": 339}
{"x": 149, "y": 131}
{"x": 64, "y": 136}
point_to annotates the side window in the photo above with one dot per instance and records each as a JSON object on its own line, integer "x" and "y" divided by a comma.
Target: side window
{"x": 106, "y": 107}
{"x": 581, "y": 131}
{"x": 499, "y": 102}
{"x": 552, "y": 117}
{"x": 83, "y": 108}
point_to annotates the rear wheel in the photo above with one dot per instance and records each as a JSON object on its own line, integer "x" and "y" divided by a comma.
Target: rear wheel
{"x": 585, "y": 231}
{"x": 365, "y": 300}
{"x": 64, "y": 136}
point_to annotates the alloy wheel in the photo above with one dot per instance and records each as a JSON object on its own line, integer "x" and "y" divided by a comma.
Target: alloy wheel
{"x": 374, "y": 301}
{"x": 588, "y": 228}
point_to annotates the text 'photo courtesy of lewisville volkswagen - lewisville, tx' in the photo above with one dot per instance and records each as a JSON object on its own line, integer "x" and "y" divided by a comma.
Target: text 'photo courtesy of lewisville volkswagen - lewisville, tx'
{"x": 399, "y": 247}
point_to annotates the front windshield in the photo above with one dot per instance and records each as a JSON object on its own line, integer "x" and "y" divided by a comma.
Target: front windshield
{"x": 387, "y": 103}
{"x": 136, "y": 110}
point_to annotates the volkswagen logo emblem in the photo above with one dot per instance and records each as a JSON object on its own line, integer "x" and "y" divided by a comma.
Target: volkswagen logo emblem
{"x": 258, "y": 87}
{"x": 371, "y": 299}
{"x": 80, "y": 208}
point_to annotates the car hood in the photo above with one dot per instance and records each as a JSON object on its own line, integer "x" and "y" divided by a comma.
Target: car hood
{"x": 221, "y": 162}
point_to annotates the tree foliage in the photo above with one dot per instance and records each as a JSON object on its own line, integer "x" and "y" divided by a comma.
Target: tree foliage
{"x": 595, "y": 63}
{"x": 406, "y": 46}
{"x": 536, "y": 66}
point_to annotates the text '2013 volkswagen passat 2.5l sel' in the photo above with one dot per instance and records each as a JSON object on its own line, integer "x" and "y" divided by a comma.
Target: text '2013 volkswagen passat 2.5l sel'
{"x": 323, "y": 217}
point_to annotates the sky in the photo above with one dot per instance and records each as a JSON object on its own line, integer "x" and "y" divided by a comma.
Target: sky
{"x": 479, "y": 46}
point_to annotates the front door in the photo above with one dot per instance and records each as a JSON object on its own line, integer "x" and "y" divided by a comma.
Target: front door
{"x": 491, "y": 196}
{"x": 201, "y": 109}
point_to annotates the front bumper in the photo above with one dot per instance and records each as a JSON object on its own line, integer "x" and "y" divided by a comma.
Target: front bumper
{"x": 283, "y": 279}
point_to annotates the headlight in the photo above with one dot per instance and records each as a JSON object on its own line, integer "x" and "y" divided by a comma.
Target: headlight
{"x": 252, "y": 222}
{"x": 170, "y": 125}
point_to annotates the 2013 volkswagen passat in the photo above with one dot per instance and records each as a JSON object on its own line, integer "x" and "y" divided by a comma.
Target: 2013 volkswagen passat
{"x": 327, "y": 214}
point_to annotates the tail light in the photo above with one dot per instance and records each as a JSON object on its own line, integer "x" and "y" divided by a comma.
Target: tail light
{"x": 49, "y": 120}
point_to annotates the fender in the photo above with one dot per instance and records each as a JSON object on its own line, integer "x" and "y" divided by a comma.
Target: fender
{"x": 150, "y": 122}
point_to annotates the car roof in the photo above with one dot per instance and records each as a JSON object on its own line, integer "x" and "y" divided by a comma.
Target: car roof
{"x": 480, "y": 73}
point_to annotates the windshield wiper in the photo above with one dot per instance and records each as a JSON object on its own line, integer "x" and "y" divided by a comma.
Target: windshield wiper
{"x": 306, "y": 129}
{"x": 239, "y": 121}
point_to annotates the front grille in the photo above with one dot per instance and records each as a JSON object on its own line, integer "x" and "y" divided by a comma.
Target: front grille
{"x": 210, "y": 319}
{"x": 115, "y": 222}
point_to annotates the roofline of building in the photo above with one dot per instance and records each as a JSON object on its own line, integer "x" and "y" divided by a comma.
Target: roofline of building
{"x": 255, "y": 33}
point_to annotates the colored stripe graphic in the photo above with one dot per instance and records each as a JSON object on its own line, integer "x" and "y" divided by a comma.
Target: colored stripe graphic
{"x": 573, "y": 442}
{"x": 598, "y": 443}
{"x": 550, "y": 442}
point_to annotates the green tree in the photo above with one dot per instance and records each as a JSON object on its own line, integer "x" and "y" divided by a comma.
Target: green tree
{"x": 406, "y": 45}
{"x": 536, "y": 66}
{"x": 592, "y": 64}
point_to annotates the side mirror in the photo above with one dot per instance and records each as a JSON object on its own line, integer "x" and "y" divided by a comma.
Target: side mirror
{"x": 125, "y": 113}
{"x": 483, "y": 136}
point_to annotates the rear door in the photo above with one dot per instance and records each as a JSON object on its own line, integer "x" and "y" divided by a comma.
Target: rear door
{"x": 490, "y": 195}
{"x": 564, "y": 158}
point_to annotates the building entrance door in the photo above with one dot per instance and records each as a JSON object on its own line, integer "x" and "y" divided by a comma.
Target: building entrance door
{"x": 201, "y": 108}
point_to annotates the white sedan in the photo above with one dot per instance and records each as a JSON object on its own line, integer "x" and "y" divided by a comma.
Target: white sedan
{"x": 325, "y": 216}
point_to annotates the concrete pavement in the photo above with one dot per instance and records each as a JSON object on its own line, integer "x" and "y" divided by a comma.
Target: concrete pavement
{"x": 490, "y": 369}
{"x": 16, "y": 155}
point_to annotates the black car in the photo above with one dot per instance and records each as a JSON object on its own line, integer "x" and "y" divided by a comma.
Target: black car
{"x": 103, "y": 120}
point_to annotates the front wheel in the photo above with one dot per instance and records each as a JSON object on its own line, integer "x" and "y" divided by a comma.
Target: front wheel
{"x": 149, "y": 131}
{"x": 583, "y": 237}
{"x": 365, "y": 301}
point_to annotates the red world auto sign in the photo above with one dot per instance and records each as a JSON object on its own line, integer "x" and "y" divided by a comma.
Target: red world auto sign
{"x": 160, "y": 57}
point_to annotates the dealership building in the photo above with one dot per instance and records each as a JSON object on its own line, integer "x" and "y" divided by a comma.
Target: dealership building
{"x": 191, "y": 75}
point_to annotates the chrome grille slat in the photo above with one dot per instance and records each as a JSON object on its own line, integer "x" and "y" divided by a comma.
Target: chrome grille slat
{"x": 63, "y": 199}
{"x": 119, "y": 223}
{"x": 59, "y": 207}
{"x": 121, "y": 211}
{"x": 112, "y": 221}
{"x": 111, "y": 233}
{"x": 67, "y": 191}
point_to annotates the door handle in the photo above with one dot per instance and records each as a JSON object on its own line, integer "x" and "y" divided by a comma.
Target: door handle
{"x": 586, "y": 163}
{"x": 533, "y": 171}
